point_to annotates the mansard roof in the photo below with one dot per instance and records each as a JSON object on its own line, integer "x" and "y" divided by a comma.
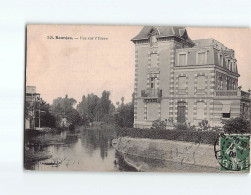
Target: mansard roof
{"x": 163, "y": 31}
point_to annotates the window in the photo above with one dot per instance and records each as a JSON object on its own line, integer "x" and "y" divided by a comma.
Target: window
{"x": 221, "y": 60}
{"x": 200, "y": 110}
{"x": 153, "y": 83}
{"x": 201, "y": 58}
{"x": 154, "y": 60}
{"x": 182, "y": 59}
{"x": 234, "y": 86}
{"x": 182, "y": 84}
{"x": 231, "y": 66}
{"x": 226, "y": 111}
{"x": 234, "y": 67}
{"x": 181, "y": 112}
{"x": 153, "y": 40}
{"x": 221, "y": 83}
{"x": 201, "y": 84}
{"x": 226, "y": 115}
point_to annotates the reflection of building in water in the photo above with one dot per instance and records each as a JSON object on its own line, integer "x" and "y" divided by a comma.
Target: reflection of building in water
{"x": 31, "y": 97}
{"x": 185, "y": 80}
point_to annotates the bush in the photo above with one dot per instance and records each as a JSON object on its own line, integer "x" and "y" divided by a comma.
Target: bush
{"x": 181, "y": 127}
{"x": 236, "y": 125}
{"x": 158, "y": 124}
{"x": 206, "y": 137}
{"x": 204, "y": 125}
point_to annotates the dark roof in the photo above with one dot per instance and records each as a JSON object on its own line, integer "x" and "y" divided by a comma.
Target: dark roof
{"x": 163, "y": 31}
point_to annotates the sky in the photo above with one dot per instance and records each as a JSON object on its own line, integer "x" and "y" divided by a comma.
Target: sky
{"x": 102, "y": 58}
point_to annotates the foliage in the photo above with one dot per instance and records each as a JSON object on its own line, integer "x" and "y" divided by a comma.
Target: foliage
{"x": 109, "y": 119}
{"x": 158, "y": 124}
{"x": 27, "y": 110}
{"x": 63, "y": 107}
{"x": 181, "y": 127}
{"x": 73, "y": 117}
{"x": 47, "y": 119}
{"x": 125, "y": 115}
{"x": 236, "y": 125}
{"x": 204, "y": 125}
{"x": 105, "y": 105}
{"x": 92, "y": 108}
{"x": 206, "y": 137}
{"x": 82, "y": 109}
{"x": 217, "y": 129}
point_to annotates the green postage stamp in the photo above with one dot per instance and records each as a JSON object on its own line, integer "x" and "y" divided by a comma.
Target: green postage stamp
{"x": 234, "y": 153}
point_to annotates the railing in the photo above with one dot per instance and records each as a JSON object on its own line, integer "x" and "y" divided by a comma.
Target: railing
{"x": 245, "y": 94}
{"x": 226, "y": 93}
{"x": 153, "y": 93}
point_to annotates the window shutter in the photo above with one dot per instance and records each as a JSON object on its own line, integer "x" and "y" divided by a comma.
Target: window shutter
{"x": 182, "y": 59}
{"x": 182, "y": 82}
{"x": 200, "y": 110}
{"x": 201, "y": 82}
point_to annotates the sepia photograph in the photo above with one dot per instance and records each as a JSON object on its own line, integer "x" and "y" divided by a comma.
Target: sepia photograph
{"x": 137, "y": 99}
{"x": 121, "y": 97}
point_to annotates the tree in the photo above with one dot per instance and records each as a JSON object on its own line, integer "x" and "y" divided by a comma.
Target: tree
{"x": 82, "y": 110}
{"x": 43, "y": 111}
{"x": 125, "y": 115}
{"x": 122, "y": 100}
{"x": 74, "y": 117}
{"x": 105, "y": 103}
{"x": 63, "y": 107}
{"x": 92, "y": 106}
{"x": 236, "y": 125}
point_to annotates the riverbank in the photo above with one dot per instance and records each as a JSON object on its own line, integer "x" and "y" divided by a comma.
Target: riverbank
{"x": 79, "y": 150}
{"x": 180, "y": 154}
{"x": 36, "y": 141}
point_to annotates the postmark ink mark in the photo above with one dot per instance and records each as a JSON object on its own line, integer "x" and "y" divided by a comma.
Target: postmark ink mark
{"x": 233, "y": 152}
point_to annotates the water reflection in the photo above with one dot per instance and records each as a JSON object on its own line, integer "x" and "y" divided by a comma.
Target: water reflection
{"x": 81, "y": 150}
{"x": 91, "y": 150}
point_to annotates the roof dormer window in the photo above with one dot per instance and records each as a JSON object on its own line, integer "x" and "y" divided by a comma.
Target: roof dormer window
{"x": 153, "y": 40}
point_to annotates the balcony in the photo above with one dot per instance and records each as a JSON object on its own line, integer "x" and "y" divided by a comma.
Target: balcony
{"x": 226, "y": 93}
{"x": 151, "y": 95}
{"x": 232, "y": 94}
{"x": 245, "y": 95}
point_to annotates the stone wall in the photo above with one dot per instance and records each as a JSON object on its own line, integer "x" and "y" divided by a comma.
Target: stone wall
{"x": 200, "y": 155}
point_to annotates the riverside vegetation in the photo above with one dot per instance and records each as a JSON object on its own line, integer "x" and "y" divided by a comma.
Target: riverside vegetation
{"x": 100, "y": 113}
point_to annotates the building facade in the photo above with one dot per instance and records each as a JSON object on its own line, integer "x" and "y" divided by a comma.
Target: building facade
{"x": 30, "y": 98}
{"x": 180, "y": 80}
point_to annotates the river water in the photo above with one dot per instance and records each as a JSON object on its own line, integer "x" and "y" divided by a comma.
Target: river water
{"x": 81, "y": 150}
{"x": 91, "y": 150}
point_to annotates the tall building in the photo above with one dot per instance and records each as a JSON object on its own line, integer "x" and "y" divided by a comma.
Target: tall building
{"x": 185, "y": 81}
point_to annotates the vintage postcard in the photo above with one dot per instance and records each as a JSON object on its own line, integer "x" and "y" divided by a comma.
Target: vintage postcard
{"x": 137, "y": 98}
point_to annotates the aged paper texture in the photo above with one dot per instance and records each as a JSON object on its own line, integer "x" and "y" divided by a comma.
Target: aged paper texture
{"x": 137, "y": 98}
